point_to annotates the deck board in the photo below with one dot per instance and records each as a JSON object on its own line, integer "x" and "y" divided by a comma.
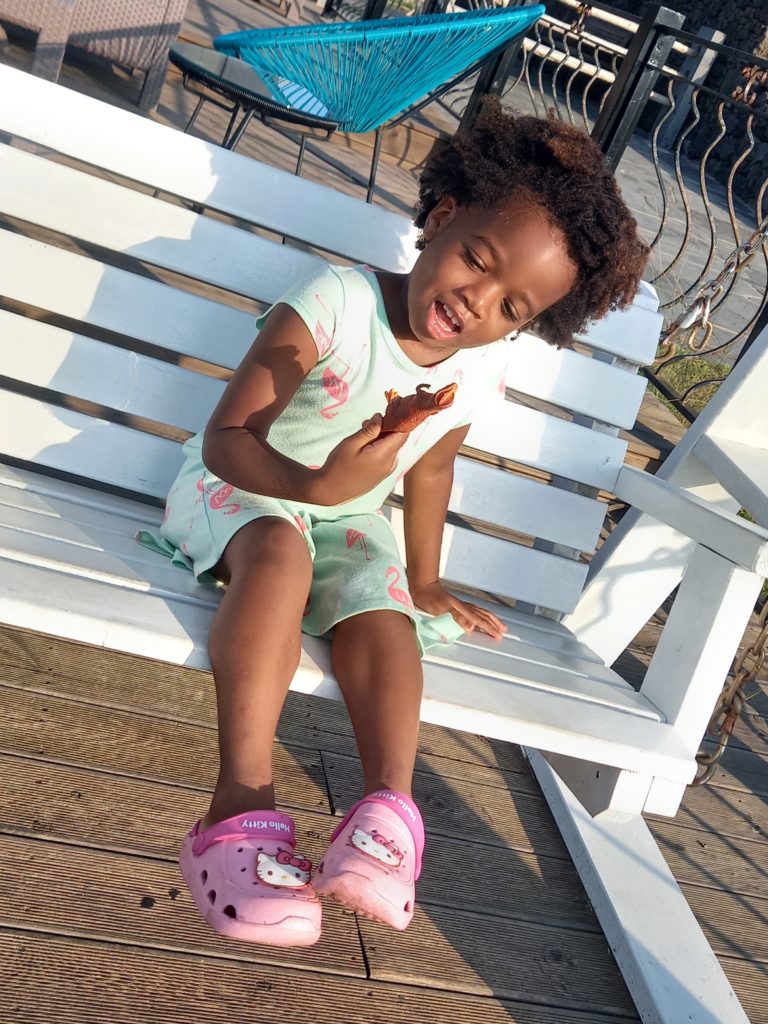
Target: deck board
{"x": 102, "y": 777}
{"x": 74, "y": 980}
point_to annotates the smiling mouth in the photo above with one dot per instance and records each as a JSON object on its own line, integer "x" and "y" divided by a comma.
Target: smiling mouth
{"x": 442, "y": 321}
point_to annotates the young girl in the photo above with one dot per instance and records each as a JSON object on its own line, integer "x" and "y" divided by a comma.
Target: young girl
{"x": 279, "y": 497}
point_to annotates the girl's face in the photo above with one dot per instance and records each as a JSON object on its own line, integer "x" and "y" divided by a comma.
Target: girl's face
{"x": 483, "y": 273}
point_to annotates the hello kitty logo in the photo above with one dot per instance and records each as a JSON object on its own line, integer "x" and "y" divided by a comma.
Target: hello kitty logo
{"x": 283, "y": 870}
{"x": 377, "y": 846}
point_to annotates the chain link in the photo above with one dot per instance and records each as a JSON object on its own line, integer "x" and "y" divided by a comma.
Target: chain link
{"x": 731, "y": 701}
{"x": 583, "y": 11}
{"x": 694, "y": 323}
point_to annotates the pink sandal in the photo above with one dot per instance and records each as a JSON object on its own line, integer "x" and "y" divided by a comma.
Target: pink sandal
{"x": 374, "y": 858}
{"x": 249, "y": 884}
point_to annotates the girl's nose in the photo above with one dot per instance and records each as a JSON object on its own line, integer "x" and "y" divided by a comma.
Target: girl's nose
{"x": 478, "y": 298}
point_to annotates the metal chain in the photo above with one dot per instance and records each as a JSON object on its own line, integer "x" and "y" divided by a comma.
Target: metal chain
{"x": 731, "y": 700}
{"x": 695, "y": 321}
{"x": 583, "y": 11}
{"x": 755, "y": 87}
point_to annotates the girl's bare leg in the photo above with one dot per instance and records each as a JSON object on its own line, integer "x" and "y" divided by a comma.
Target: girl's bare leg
{"x": 377, "y": 665}
{"x": 254, "y": 646}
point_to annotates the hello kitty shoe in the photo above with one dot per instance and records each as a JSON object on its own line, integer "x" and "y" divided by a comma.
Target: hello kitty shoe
{"x": 374, "y": 858}
{"x": 248, "y": 882}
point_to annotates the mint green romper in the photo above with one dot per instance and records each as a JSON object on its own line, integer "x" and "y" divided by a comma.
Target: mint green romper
{"x": 356, "y": 563}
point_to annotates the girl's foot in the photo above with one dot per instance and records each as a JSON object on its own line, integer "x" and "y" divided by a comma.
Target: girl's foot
{"x": 249, "y": 883}
{"x": 374, "y": 858}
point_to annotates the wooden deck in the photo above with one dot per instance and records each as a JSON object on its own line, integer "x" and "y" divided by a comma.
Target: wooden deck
{"x": 107, "y": 759}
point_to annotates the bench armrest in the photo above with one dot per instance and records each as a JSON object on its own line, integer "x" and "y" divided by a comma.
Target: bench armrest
{"x": 736, "y": 539}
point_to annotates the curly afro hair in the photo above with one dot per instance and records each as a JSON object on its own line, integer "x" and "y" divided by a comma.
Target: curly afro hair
{"x": 566, "y": 173}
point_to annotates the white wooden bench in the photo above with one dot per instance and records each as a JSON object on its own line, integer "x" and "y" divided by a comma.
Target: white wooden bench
{"x": 123, "y": 314}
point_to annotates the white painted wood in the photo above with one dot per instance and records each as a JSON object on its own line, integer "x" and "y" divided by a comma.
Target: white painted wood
{"x": 503, "y": 567}
{"x": 71, "y": 442}
{"x": 600, "y": 788}
{"x": 164, "y": 234}
{"x": 576, "y": 382}
{"x": 78, "y": 126}
{"x": 556, "y": 446}
{"x": 632, "y": 334}
{"x": 738, "y": 540}
{"x": 156, "y": 625}
{"x": 641, "y": 562}
{"x": 703, "y": 632}
{"x": 51, "y": 357}
{"x": 742, "y": 469}
{"x": 668, "y": 965}
{"x": 89, "y": 292}
{"x": 37, "y": 495}
{"x": 527, "y": 506}
{"x": 664, "y": 797}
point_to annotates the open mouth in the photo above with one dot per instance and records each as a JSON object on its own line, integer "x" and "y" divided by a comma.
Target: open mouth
{"x": 442, "y": 321}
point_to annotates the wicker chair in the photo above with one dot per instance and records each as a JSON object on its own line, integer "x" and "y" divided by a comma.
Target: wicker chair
{"x": 133, "y": 33}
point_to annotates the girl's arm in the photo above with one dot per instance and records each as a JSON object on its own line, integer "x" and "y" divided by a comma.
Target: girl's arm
{"x": 235, "y": 446}
{"x": 427, "y": 490}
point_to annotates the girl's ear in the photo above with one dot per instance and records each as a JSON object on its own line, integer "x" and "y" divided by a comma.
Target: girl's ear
{"x": 441, "y": 214}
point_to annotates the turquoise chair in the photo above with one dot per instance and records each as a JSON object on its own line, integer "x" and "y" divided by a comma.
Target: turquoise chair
{"x": 368, "y": 74}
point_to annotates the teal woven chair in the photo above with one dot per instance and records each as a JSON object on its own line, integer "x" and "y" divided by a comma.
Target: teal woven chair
{"x": 368, "y": 74}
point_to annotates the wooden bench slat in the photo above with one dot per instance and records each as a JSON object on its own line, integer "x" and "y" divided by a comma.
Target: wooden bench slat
{"x": 107, "y": 297}
{"x": 102, "y": 553}
{"x": 514, "y": 432}
{"x": 503, "y": 568}
{"x": 71, "y": 442}
{"x": 582, "y": 385}
{"x": 553, "y": 445}
{"x": 90, "y": 292}
{"x": 76, "y": 126}
{"x": 517, "y": 503}
{"x": 39, "y": 497}
{"x": 632, "y": 334}
{"x": 167, "y": 235}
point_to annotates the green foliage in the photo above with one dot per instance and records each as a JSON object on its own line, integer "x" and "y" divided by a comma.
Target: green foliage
{"x": 686, "y": 372}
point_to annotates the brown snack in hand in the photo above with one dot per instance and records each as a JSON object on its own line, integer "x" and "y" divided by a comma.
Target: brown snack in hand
{"x": 403, "y": 414}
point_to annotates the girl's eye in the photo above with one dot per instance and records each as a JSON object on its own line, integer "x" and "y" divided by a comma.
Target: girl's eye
{"x": 472, "y": 260}
{"x": 508, "y": 311}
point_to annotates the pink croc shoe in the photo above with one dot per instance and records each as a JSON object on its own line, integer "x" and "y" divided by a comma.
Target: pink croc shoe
{"x": 249, "y": 884}
{"x": 374, "y": 859}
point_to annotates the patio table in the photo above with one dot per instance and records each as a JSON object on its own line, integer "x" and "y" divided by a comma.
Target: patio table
{"x": 234, "y": 86}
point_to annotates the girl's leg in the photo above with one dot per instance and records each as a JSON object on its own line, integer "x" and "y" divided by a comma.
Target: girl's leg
{"x": 255, "y": 646}
{"x": 377, "y": 665}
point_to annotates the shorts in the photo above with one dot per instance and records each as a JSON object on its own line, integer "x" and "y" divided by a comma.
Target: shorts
{"x": 356, "y": 563}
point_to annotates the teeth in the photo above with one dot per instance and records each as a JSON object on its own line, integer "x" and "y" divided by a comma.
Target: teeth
{"x": 451, "y": 315}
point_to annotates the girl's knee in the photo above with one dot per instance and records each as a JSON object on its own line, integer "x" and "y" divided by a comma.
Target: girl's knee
{"x": 376, "y": 638}
{"x": 266, "y": 544}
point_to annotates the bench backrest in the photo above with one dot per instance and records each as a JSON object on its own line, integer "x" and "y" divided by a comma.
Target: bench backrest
{"x": 124, "y": 313}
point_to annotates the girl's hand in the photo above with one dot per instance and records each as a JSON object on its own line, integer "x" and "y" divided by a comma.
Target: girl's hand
{"x": 433, "y": 598}
{"x": 357, "y": 464}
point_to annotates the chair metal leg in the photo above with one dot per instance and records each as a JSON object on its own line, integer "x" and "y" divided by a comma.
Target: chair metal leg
{"x": 233, "y": 135}
{"x": 195, "y": 112}
{"x": 300, "y": 160}
{"x": 374, "y": 165}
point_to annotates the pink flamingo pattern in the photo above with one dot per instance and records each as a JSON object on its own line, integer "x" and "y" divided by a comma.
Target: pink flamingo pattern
{"x": 337, "y": 388}
{"x": 219, "y": 500}
{"x": 300, "y": 523}
{"x": 323, "y": 340}
{"x": 395, "y": 592}
{"x": 355, "y": 536}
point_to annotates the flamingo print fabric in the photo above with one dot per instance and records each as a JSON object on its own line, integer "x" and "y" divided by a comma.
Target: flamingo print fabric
{"x": 356, "y": 564}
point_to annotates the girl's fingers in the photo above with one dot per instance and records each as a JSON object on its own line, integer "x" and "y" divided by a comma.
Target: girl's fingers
{"x": 486, "y": 622}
